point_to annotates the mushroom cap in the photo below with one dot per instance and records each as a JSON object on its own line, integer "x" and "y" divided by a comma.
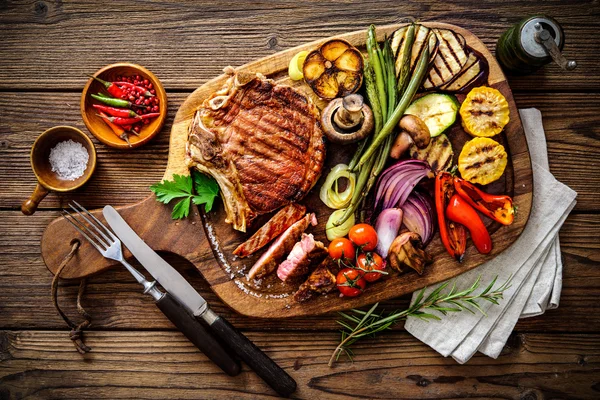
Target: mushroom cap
{"x": 416, "y": 128}
{"x": 340, "y": 134}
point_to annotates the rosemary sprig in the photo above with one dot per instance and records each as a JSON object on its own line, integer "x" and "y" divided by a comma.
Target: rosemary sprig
{"x": 358, "y": 324}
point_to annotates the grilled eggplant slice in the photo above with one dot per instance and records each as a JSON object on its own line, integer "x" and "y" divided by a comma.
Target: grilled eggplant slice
{"x": 474, "y": 73}
{"x": 482, "y": 160}
{"x": 423, "y": 37}
{"x": 438, "y": 154}
{"x": 450, "y": 58}
{"x": 334, "y": 69}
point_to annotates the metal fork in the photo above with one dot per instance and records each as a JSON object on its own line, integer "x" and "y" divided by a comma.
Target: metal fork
{"x": 109, "y": 245}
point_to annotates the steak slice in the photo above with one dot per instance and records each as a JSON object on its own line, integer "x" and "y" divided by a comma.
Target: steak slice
{"x": 305, "y": 253}
{"x": 284, "y": 218}
{"x": 261, "y": 141}
{"x": 280, "y": 247}
{"x": 320, "y": 281}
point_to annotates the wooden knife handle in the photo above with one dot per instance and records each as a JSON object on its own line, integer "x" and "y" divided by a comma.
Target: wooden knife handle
{"x": 264, "y": 367}
{"x": 198, "y": 334}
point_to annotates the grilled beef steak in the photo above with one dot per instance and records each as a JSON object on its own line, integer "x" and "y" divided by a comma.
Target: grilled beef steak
{"x": 320, "y": 281}
{"x": 284, "y": 218}
{"x": 305, "y": 253}
{"x": 269, "y": 260}
{"x": 261, "y": 141}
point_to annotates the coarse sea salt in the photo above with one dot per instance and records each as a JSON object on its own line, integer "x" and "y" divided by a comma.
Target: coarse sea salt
{"x": 69, "y": 159}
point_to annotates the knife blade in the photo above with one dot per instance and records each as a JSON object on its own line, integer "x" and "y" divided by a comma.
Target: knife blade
{"x": 179, "y": 287}
{"x": 166, "y": 275}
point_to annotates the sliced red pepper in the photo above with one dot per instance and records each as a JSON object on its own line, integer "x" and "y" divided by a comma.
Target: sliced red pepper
{"x": 497, "y": 207}
{"x": 461, "y": 212}
{"x": 453, "y": 235}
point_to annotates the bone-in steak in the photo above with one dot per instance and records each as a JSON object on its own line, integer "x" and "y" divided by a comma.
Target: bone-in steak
{"x": 261, "y": 141}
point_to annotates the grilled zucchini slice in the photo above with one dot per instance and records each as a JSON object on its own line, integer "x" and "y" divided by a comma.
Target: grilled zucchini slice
{"x": 437, "y": 110}
{"x": 438, "y": 154}
{"x": 484, "y": 112}
{"x": 482, "y": 160}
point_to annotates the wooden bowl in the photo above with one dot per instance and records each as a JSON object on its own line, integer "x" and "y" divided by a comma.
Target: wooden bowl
{"x": 40, "y": 163}
{"x": 99, "y": 128}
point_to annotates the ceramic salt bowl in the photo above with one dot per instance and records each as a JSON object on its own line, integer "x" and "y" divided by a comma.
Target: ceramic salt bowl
{"x": 49, "y": 180}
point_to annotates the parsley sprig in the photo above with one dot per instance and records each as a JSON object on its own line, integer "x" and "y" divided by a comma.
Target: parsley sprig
{"x": 197, "y": 188}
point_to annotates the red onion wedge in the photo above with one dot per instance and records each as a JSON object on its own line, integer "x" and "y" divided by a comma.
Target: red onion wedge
{"x": 419, "y": 216}
{"x": 397, "y": 182}
{"x": 387, "y": 227}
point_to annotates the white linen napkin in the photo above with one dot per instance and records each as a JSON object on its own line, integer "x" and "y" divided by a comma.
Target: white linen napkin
{"x": 533, "y": 261}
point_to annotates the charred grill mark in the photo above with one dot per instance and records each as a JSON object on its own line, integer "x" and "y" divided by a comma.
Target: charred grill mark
{"x": 488, "y": 160}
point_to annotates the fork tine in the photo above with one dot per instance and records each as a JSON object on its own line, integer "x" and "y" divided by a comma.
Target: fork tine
{"x": 70, "y": 220}
{"x": 106, "y": 242}
{"x": 106, "y": 229}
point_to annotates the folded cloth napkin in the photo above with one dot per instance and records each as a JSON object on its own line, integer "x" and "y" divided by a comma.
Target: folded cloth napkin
{"x": 533, "y": 262}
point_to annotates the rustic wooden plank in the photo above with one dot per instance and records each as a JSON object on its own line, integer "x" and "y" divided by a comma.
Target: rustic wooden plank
{"x": 123, "y": 364}
{"x": 115, "y": 300}
{"x": 186, "y": 44}
{"x": 571, "y": 121}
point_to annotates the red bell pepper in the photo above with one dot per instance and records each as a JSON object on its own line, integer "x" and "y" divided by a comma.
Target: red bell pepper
{"x": 461, "y": 212}
{"x": 497, "y": 207}
{"x": 453, "y": 235}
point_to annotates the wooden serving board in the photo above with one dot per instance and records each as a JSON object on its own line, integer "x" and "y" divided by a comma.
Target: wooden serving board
{"x": 207, "y": 241}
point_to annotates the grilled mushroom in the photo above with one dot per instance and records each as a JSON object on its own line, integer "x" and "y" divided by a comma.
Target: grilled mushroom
{"x": 414, "y": 131}
{"x": 406, "y": 250}
{"x": 347, "y": 120}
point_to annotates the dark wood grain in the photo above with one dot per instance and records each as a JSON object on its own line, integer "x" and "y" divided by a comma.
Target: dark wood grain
{"x": 571, "y": 121}
{"x": 211, "y": 35}
{"x": 46, "y": 47}
{"x": 159, "y": 365}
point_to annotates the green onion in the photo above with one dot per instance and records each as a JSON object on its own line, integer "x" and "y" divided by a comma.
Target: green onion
{"x": 330, "y": 194}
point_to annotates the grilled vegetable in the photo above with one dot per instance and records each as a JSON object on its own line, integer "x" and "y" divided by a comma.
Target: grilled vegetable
{"x": 496, "y": 206}
{"x": 461, "y": 212}
{"x": 296, "y": 64}
{"x": 421, "y": 38}
{"x": 452, "y": 234}
{"x": 475, "y": 72}
{"x": 484, "y": 112}
{"x": 482, "y": 161}
{"x": 438, "y": 111}
{"x": 334, "y": 69}
{"x": 414, "y": 132}
{"x": 450, "y": 59}
{"x": 438, "y": 154}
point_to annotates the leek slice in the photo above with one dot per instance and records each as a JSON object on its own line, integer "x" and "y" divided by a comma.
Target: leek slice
{"x": 330, "y": 194}
{"x": 334, "y": 232}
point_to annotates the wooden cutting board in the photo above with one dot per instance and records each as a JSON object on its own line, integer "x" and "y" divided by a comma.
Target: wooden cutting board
{"x": 207, "y": 241}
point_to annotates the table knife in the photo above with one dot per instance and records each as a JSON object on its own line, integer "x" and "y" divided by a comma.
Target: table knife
{"x": 179, "y": 287}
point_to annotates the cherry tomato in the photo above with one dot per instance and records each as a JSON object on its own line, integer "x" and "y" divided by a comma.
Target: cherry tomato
{"x": 370, "y": 262}
{"x": 364, "y": 236}
{"x": 350, "y": 283}
{"x": 341, "y": 249}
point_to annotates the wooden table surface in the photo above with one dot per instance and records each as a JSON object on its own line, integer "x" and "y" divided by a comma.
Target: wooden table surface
{"x": 47, "y": 47}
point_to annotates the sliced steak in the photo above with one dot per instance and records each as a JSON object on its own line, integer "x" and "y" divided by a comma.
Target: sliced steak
{"x": 284, "y": 218}
{"x": 305, "y": 253}
{"x": 269, "y": 260}
{"x": 262, "y": 142}
{"x": 320, "y": 281}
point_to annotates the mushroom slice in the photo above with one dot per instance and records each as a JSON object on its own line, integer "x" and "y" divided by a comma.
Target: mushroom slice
{"x": 334, "y": 69}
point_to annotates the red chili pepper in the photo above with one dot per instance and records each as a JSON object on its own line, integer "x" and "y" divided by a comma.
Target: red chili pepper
{"x": 119, "y": 131}
{"x": 119, "y": 120}
{"x": 111, "y": 88}
{"x": 116, "y": 112}
{"x": 138, "y": 89}
{"x": 453, "y": 235}
{"x": 461, "y": 212}
{"x": 150, "y": 115}
{"x": 497, "y": 207}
